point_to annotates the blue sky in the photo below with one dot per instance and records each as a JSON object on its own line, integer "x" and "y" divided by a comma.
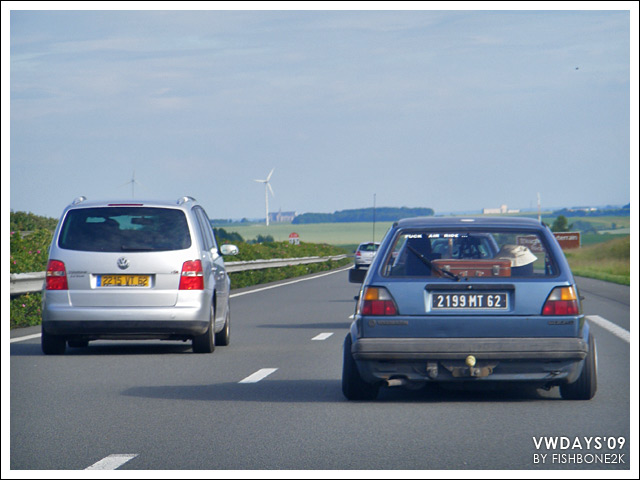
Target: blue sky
{"x": 449, "y": 109}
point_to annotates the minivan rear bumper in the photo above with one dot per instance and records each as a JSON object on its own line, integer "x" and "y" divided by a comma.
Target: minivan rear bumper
{"x": 126, "y": 329}
{"x": 126, "y": 322}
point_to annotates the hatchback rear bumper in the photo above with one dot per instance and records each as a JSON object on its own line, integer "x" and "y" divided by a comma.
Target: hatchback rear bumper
{"x": 459, "y": 348}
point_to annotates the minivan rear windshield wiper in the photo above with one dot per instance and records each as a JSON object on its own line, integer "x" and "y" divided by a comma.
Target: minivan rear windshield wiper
{"x": 128, "y": 248}
{"x": 432, "y": 266}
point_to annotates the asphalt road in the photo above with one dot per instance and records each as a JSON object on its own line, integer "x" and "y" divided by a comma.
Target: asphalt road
{"x": 272, "y": 400}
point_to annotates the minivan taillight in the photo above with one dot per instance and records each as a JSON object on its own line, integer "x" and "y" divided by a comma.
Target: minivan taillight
{"x": 56, "y": 276}
{"x": 192, "y": 276}
{"x": 561, "y": 301}
{"x": 377, "y": 301}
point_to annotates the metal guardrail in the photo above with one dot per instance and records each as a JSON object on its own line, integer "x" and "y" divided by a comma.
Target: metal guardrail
{"x": 22, "y": 283}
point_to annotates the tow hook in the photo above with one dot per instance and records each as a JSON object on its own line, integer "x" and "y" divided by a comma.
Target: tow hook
{"x": 470, "y": 369}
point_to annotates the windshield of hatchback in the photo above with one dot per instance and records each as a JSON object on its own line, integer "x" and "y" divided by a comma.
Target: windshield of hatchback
{"x": 469, "y": 254}
{"x": 124, "y": 229}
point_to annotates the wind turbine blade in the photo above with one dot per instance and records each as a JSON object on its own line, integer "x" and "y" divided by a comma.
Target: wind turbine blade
{"x": 271, "y": 189}
{"x": 270, "y": 173}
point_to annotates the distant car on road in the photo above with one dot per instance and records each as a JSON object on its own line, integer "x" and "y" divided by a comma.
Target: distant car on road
{"x": 135, "y": 270}
{"x": 364, "y": 254}
{"x": 470, "y": 301}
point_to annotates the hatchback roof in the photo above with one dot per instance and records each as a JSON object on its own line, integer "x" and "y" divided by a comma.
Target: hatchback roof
{"x": 448, "y": 222}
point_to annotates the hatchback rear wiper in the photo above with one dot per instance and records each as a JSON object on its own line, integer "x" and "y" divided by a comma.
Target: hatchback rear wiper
{"x": 432, "y": 266}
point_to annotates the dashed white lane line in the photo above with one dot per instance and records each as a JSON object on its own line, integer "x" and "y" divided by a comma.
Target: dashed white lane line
{"x": 322, "y": 336}
{"x": 259, "y": 375}
{"x": 112, "y": 462}
{"x": 610, "y": 327}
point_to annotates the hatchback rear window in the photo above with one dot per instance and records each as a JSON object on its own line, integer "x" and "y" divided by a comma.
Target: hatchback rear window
{"x": 469, "y": 254}
{"x": 368, "y": 247}
{"x": 124, "y": 229}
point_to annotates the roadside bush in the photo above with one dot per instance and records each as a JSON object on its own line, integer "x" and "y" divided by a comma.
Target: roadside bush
{"x": 29, "y": 252}
{"x": 26, "y": 310}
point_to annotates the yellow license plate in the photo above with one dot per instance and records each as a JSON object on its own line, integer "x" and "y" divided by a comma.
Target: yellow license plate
{"x": 122, "y": 281}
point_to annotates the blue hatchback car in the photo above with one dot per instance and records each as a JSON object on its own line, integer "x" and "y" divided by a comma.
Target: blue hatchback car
{"x": 468, "y": 300}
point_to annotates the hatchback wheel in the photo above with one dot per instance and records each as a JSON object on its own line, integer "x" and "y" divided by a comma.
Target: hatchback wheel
{"x": 584, "y": 388}
{"x": 353, "y": 386}
{"x": 205, "y": 343}
{"x": 53, "y": 344}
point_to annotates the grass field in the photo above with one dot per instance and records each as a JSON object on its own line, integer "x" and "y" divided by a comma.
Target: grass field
{"x": 351, "y": 234}
{"x": 340, "y": 234}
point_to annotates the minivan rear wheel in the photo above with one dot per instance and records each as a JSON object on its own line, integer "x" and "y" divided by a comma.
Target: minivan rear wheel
{"x": 53, "y": 344}
{"x": 205, "y": 343}
{"x": 223, "y": 337}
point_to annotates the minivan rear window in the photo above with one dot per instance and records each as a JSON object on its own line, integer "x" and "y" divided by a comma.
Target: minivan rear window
{"x": 124, "y": 229}
{"x": 469, "y": 254}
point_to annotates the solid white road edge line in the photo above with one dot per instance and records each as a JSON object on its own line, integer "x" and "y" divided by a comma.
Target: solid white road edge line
{"x": 27, "y": 337}
{"x": 322, "y": 336}
{"x": 112, "y": 462}
{"x": 233, "y": 295}
{"x": 259, "y": 375}
{"x": 610, "y": 327}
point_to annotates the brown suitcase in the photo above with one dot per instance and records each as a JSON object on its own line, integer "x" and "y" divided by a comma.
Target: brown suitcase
{"x": 475, "y": 268}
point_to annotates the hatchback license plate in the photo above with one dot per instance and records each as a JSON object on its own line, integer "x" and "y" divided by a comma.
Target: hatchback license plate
{"x": 123, "y": 281}
{"x": 469, "y": 301}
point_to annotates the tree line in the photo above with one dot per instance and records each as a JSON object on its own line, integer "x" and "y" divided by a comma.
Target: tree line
{"x": 382, "y": 214}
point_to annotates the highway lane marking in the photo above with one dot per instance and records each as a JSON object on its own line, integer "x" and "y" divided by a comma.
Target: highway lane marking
{"x": 610, "y": 327}
{"x": 239, "y": 294}
{"x": 26, "y": 337}
{"x": 112, "y": 462}
{"x": 259, "y": 375}
{"x": 322, "y": 336}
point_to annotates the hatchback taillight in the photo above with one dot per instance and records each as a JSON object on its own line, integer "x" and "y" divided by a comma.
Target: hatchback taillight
{"x": 56, "y": 276}
{"x": 562, "y": 301}
{"x": 377, "y": 301}
{"x": 192, "y": 276}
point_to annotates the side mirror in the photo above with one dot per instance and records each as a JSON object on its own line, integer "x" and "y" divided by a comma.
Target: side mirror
{"x": 357, "y": 276}
{"x": 229, "y": 250}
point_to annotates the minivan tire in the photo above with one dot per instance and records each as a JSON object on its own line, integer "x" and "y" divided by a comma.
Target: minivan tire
{"x": 205, "y": 343}
{"x": 223, "y": 337}
{"x": 53, "y": 344}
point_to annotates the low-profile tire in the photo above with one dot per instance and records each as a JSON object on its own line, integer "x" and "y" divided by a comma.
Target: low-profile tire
{"x": 353, "y": 386}
{"x": 223, "y": 337}
{"x": 584, "y": 388}
{"x": 53, "y": 344}
{"x": 205, "y": 343}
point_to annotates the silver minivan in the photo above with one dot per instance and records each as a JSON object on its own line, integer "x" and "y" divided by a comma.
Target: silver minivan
{"x": 135, "y": 270}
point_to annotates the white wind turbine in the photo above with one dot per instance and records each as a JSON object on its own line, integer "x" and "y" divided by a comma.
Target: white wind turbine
{"x": 132, "y": 182}
{"x": 267, "y": 189}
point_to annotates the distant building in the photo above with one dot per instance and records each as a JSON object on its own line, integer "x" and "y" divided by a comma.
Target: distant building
{"x": 582, "y": 209}
{"x": 498, "y": 211}
{"x": 282, "y": 217}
